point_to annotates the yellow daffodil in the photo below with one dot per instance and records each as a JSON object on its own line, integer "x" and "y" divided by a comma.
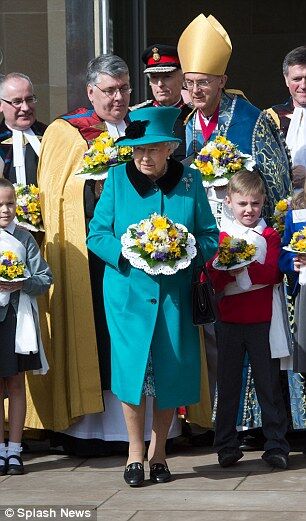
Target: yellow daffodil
{"x": 160, "y": 223}
{"x": 282, "y": 205}
{"x": 216, "y": 153}
{"x": 149, "y": 247}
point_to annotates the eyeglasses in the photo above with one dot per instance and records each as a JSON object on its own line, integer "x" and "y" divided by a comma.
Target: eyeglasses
{"x": 112, "y": 91}
{"x": 17, "y": 102}
{"x": 201, "y": 84}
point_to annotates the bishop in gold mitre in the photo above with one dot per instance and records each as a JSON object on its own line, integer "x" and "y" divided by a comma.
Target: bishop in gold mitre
{"x": 204, "y": 50}
{"x": 204, "y": 46}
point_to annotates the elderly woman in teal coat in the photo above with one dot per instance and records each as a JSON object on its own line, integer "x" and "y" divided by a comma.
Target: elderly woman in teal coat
{"x": 154, "y": 345}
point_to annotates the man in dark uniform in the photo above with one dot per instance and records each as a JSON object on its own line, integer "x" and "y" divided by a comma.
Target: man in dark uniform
{"x": 166, "y": 81}
{"x": 290, "y": 116}
{"x": 20, "y": 132}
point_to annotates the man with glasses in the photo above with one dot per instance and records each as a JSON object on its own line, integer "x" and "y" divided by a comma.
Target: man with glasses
{"x": 20, "y": 132}
{"x": 204, "y": 50}
{"x": 165, "y": 77}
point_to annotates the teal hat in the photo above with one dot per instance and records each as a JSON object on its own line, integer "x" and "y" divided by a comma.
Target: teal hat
{"x": 150, "y": 125}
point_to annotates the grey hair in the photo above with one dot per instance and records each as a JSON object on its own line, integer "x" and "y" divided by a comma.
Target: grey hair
{"x": 295, "y": 57}
{"x": 173, "y": 145}
{"x": 4, "y": 79}
{"x": 105, "y": 64}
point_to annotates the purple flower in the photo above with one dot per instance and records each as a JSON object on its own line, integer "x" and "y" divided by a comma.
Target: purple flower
{"x": 158, "y": 255}
{"x": 205, "y": 158}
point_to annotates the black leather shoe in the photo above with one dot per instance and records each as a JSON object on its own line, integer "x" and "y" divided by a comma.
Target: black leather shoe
{"x": 3, "y": 466}
{"x": 276, "y": 458}
{"x": 12, "y": 468}
{"x": 160, "y": 473}
{"x": 229, "y": 456}
{"x": 134, "y": 474}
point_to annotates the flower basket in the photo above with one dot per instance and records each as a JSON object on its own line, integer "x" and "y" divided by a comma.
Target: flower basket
{"x": 103, "y": 154}
{"x": 280, "y": 212}
{"x": 157, "y": 245}
{"x": 219, "y": 160}
{"x": 11, "y": 268}
{"x": 234, "y": 253}
{"x": 28, "y": 210}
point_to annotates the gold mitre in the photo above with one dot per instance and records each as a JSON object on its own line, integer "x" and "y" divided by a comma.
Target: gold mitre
{"x": 204, "y": 46}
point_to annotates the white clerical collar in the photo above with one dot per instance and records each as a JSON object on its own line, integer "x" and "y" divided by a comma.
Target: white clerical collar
{"x": 116, "y": 129}
{"x": 19, "y": 150}
{"x": 296, "y": 136}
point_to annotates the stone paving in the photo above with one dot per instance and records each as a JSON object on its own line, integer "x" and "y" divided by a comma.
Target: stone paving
{"x": 201, "y": 490}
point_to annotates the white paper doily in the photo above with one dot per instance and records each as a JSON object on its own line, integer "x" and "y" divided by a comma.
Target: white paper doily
{"x": 29, "y": 226}
{"x": 96, "y": 177}
{"x": 234, "y": 267}
{"x": 218, "y": 181}
{"x": 17, "y": 279}
{"x": 288, "y": 248}
{"x": 161, "y": 268}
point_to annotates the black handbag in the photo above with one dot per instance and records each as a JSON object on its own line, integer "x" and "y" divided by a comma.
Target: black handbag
{"x": 204, "y": 309}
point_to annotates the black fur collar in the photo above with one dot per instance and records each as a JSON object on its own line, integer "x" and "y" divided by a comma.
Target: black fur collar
{"x": 166, "y": 183}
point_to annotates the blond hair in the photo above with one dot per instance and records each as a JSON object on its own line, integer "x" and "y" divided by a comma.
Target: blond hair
{"x": 246, "y": 183}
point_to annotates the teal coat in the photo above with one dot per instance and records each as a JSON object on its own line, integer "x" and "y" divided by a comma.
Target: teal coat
{"x": 144, "y": 311}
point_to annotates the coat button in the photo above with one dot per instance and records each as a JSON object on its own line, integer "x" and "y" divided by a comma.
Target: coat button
{"x": 153, "y": 301}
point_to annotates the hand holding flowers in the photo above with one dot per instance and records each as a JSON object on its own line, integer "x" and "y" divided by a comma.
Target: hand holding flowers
{"x": 10, "y": 266}
{"x": 12, "y": 273}
{"x": 158, "y": 245}
{"x": 298, "y": 241}
{"x": 102, "y": 154}
{"x": 233, "y": 253}
{"x": 298, "y": 245}
{"x": 219, "y": 160}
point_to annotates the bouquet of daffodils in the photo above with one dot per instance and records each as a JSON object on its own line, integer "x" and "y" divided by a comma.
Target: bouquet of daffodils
{"x": 234, "y": 253}
{"x": 158, "y": 245}
{"x": 219, "y": 160}
{"x": 28, "y": 211}
{"x": 298, "y": 241}
{"x": 102, "y": 154}
{"x": 10, "y": 267}
{"x": 281, "y": 209}
{"x": 297, "y": 245}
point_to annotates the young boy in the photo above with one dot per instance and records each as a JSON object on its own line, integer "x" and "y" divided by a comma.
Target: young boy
{"x": 20, "y": 344}
{"x": 245, "y": 318}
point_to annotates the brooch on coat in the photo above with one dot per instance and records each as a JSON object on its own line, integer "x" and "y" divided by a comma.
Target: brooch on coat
{"x": 187, "y": 180}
